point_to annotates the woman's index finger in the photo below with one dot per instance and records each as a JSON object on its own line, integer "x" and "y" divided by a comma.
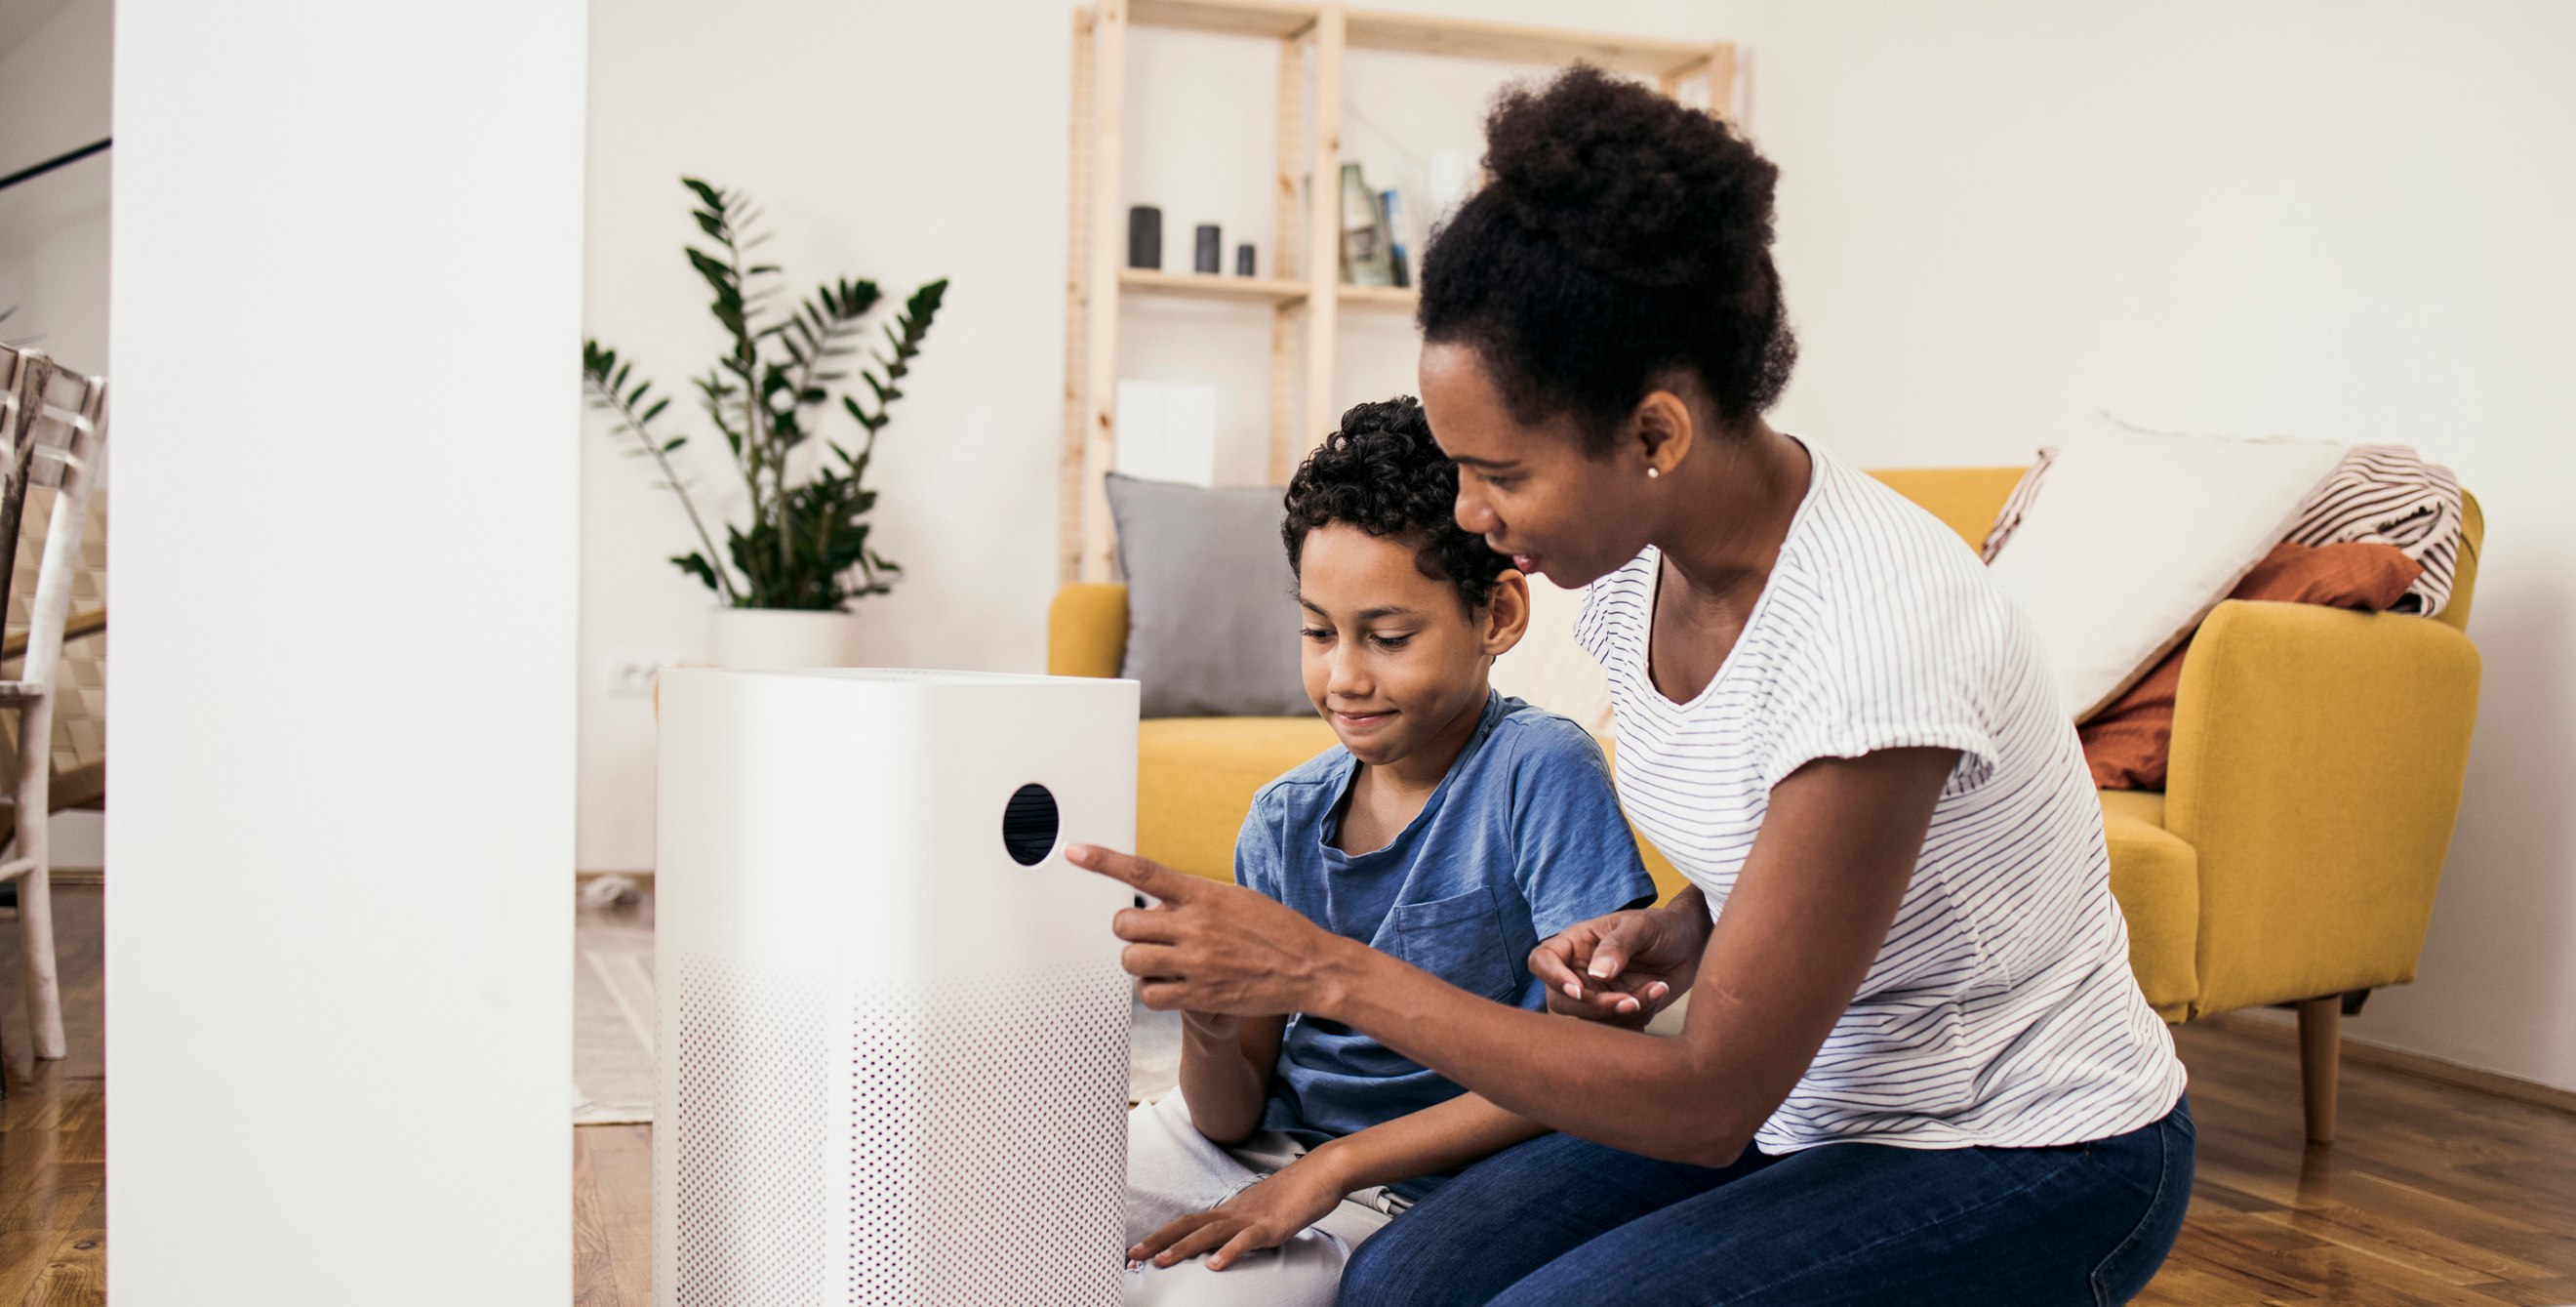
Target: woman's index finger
{"x": 1145, "y": 874}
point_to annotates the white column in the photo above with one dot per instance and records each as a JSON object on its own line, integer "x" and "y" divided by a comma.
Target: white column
{"x": 347, "y": 244}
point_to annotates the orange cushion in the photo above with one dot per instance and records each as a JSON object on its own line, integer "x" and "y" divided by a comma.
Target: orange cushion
{"x": 2126, "y": 743}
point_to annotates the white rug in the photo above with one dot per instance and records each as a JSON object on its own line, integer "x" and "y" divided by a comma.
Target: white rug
{"x": 612, "y": 1024}
{"x": 612, "y": 1030}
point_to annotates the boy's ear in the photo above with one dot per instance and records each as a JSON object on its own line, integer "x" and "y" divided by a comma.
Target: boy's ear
{"x": 1507, "y": 612}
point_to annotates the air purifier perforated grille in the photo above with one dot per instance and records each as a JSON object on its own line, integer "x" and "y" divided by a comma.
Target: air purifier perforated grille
{"x": 998, "y": 1104}
{"x": 887, "y": 1204}
{"x": 753, "y": 1111}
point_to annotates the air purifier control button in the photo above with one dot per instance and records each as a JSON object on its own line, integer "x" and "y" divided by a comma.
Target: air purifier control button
{"x": 1029, "y": 825}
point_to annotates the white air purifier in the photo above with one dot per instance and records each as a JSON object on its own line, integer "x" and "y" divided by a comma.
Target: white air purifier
{"x": 893, "y": 1040}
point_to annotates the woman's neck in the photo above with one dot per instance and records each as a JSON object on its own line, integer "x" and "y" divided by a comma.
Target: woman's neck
{"x": 1742, "y": 492}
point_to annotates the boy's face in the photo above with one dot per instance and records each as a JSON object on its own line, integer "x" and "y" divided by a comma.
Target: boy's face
{"x": 1391, "y": 657}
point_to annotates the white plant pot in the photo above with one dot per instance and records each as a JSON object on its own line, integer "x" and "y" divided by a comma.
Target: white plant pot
{"x": 751, "y": 638}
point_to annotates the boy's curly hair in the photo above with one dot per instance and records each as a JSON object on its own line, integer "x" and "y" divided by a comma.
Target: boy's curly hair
{"x": 1622, "y": 236}
{"x": 1381, "y": 473}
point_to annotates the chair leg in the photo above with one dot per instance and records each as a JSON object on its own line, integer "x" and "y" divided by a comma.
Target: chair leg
{"x": 2320, "y": 1040}
{"x": 35, "y": 891}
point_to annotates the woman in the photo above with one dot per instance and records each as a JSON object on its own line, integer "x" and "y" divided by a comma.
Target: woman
{"x": 1917, "y": 1068}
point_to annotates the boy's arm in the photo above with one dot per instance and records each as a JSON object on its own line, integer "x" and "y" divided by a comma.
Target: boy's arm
{"x": 1225, "y": 1072}
{"x": 1441, "y": 1137}
{"x": 1437, "y": 1138}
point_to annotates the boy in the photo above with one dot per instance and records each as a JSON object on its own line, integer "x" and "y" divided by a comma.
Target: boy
{"x": 1452, "y": 827}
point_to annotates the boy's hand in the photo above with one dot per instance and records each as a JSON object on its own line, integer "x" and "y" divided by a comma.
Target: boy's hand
{"x": 1623, "y": 968}
{"x": 1263, "y": 1216}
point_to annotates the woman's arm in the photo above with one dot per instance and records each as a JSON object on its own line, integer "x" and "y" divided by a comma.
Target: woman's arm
{"x": 1808, "y": 915}
{"x": 1226, "y": 1063}
{"x": 1441, "y": 1137}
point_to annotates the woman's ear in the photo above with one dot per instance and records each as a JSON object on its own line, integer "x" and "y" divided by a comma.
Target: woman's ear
{"x": 1507, "y": 613}
{"x": 1663, "y": 431}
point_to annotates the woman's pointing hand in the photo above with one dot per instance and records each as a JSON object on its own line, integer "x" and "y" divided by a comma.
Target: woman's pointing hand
{"x": 1210, "y": 947}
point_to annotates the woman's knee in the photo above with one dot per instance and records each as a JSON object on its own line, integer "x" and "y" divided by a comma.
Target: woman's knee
{"x": 1377, "y": 1273}
{"x": 1432, "y": 1256}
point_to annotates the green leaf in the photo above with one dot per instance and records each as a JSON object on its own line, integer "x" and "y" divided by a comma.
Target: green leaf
{"x": 695, "y": 564}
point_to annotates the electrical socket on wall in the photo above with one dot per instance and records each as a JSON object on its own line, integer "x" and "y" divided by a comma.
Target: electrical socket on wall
{"x": 630, "y": 674}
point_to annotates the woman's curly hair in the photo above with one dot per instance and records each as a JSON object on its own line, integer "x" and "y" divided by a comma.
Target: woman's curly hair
{"x": 1623, "y": 235}
{"x": 1381, "y": 473}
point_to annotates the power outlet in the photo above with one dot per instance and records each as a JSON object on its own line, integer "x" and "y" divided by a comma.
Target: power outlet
{"x": 630, "y": 674}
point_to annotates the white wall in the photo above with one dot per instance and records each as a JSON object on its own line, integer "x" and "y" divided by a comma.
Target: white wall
{"x": 2332, "y": 220}
{"x": 54, "y": 89}
{"x": 903, "y": 143}
{"x": 348, "y": 251}
{"x": 55, "y": 80}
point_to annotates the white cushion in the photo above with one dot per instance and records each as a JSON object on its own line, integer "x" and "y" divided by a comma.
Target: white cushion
{"x": 2133, "y": 536}
{"x": 1548, "y": 669}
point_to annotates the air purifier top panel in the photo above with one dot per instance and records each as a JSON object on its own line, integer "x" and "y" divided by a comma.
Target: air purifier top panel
{"x": 903, "y": 825}
{"x": 904, "y": 675}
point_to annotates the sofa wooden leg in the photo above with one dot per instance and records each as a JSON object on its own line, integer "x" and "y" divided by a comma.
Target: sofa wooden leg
{"x": 2320, "y": 1037}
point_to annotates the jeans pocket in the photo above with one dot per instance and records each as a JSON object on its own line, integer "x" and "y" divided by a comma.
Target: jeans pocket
{"x": 1459, "y": 939}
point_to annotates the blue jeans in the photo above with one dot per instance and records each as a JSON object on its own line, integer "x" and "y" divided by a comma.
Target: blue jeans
{"x": 1559, "y": 1221}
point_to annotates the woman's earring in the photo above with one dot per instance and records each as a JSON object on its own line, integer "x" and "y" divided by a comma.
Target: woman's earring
{"x": 1653, "y": 472}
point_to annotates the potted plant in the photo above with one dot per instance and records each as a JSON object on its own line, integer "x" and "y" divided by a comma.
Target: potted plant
{"x": 783, "y": 580}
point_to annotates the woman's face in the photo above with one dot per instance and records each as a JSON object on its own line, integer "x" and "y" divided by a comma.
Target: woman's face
{"x": 1532, "y": 491}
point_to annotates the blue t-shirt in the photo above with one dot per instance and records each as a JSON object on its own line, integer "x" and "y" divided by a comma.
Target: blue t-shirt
{"x": 1522, "y": 838}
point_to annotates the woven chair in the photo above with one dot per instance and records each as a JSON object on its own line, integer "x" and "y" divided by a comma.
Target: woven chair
{"x": 53, "y": 430}
{"x": 78, "y": 770}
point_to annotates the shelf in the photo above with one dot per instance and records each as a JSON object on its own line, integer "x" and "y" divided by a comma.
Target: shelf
{"x": 1310, "y": 41}
{"x": 1515, "y": 43}
{"x": 1256, "y": 290}
{"x": 1271, "y": 18}
{"x": 1402, "y": 298}
{"x": 1210, "y": 286}
{"x": 1461, "y": 38}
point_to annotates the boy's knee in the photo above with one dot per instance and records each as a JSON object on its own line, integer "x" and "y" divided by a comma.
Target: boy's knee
{"x": 1303, "y": 1272}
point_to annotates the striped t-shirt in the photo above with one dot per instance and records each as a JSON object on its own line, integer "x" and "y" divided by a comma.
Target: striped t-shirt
{"x": 2001, "y": 1010}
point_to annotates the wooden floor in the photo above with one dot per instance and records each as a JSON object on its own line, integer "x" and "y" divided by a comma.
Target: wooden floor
{"x": 53, "y": 1129}
{"x": 2431, "y": 1194}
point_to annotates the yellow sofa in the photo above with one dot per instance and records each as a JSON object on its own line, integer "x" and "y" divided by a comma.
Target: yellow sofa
{"x": 2316, "y": 767}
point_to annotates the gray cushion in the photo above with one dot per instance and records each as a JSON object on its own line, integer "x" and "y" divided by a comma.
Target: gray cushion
{"x": 1212, "y": 614}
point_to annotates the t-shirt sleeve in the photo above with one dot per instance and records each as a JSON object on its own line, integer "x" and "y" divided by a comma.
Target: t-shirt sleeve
{"x": 1918, "y": 672}
{"x": 1259, "y": 855}
{"x": 1574, "y": 856}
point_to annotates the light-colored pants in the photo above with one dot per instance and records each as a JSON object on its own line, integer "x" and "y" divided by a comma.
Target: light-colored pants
{"x": 1173, "y": 1170}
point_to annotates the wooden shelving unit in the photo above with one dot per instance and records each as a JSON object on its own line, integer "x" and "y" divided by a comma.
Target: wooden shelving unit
{"x": 1208, "y": 286}
{"x": 1306, "y": 296}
